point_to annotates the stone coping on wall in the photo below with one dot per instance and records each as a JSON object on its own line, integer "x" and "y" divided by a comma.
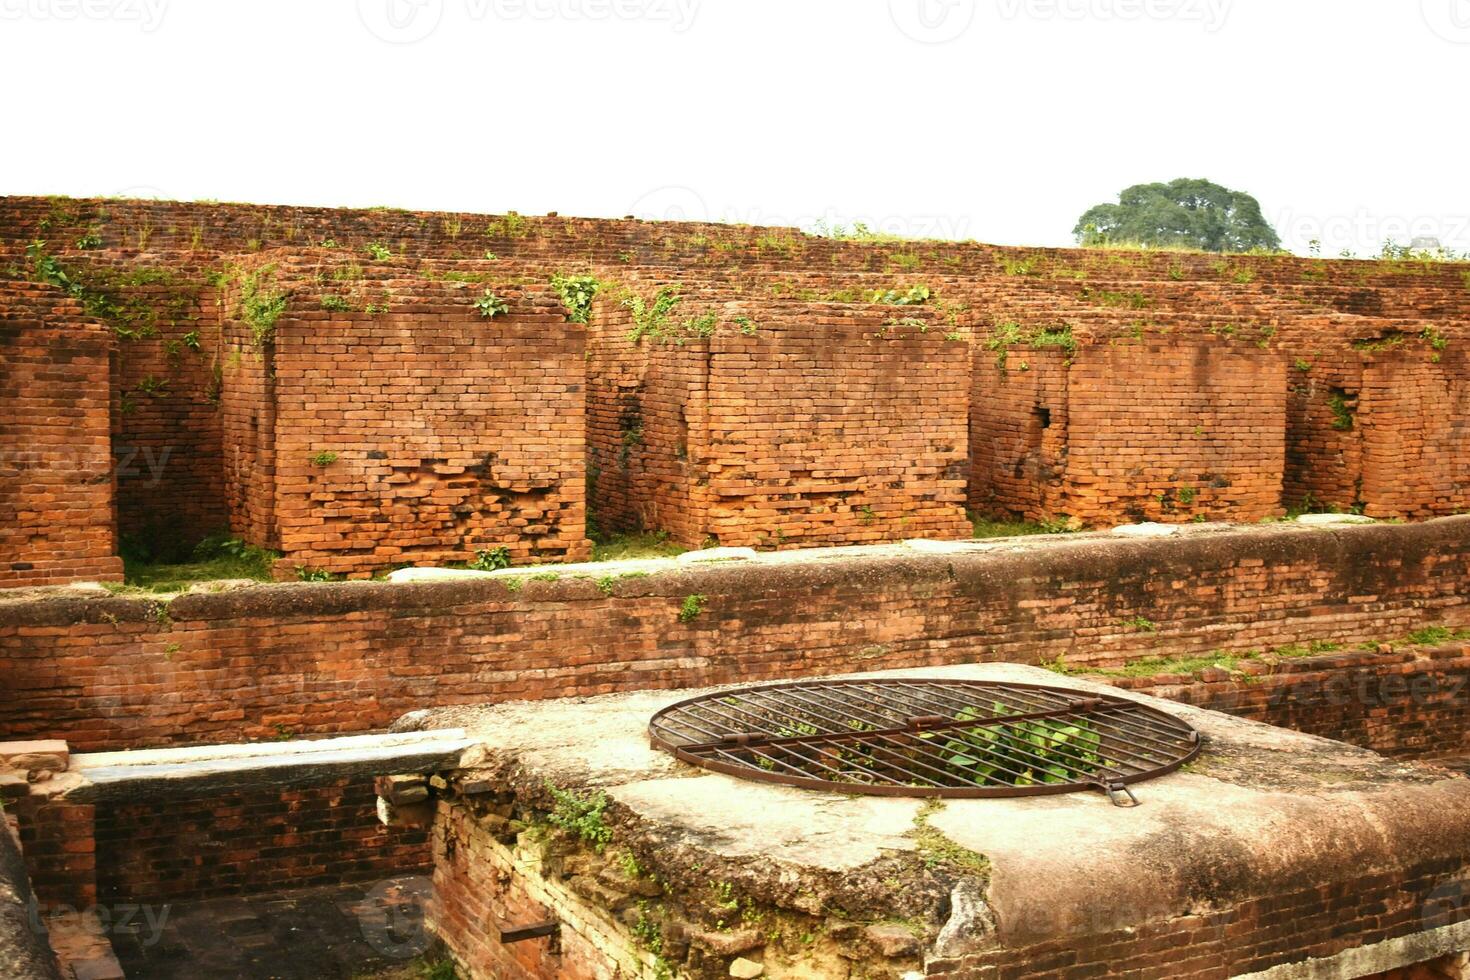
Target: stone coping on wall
{"x": 727, "y": 566}
{"x": 1261, "y": 812}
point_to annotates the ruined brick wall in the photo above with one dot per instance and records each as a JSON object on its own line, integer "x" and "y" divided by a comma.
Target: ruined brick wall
{"x": 1347, "y": 909}
{"x": 321, "y": 658}
{"x": 248, "y": 420}
{"x": 56, "y": 476}
{"x": 478, "y": 885}
{"x": 1174, "y": 431}
{"x": 1411, "y": 703}
{"x": 791, "y": 425}
{"x": 165, "y": 399}
{"x": 363, "y": 440}
{"x": 1414, "y": 416}
{"x": 836, "y": 426}
{"x": 169, "y": 850}
{"x": 646, "y": 407}
{"x": 1128, "y": 431}
{"x": 1018, "y": 434}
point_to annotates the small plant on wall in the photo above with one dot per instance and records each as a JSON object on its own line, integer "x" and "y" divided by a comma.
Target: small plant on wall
{"x": 491, "y": 559}
{"x": 491, "y": 306}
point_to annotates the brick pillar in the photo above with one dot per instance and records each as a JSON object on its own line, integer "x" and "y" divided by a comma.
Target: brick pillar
{"x": 60, "y": 850}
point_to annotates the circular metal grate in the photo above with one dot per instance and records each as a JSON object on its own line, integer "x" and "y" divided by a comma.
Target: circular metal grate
{"x": 930, "y": 738}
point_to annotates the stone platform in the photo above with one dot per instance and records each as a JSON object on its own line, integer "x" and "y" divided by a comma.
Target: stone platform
{"x": 1273, "y": 854}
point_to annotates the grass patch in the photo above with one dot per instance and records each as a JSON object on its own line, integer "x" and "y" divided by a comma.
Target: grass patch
{"x": 215, "y": 558}
{"x": 643, "y": 544}
{"x": 987, "y": 528}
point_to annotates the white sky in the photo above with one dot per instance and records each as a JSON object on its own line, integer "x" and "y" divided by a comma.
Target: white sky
{"x": 999, "y": 120}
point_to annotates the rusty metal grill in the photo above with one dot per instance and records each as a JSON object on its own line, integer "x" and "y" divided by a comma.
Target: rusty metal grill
{"x": 928, "y": 738}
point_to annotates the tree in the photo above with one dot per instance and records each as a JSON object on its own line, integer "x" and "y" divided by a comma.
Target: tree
{"x": 1189, "y": 213}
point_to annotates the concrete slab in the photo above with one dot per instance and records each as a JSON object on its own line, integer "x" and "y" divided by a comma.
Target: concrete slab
{"x": 1261, "y": 812}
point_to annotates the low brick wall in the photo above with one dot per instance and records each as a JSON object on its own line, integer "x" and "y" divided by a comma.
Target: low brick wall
{"x": 1317, "y": 921}
{"x": 1412, "y": 704}
{"x": 172, "y": 849}
{"x": 113, "y": 672}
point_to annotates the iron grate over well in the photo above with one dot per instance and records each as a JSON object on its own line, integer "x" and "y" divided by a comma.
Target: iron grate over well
{"x": 928, "y": 738}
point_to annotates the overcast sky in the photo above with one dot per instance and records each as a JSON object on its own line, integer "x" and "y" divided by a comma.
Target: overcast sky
{"x": 998, "y": 120}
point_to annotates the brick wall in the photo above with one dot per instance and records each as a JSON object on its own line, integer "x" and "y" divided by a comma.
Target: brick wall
{"x": 422, "y": 435}
{"x": 167, "y": 850}
{"x": 56, "y": 482}
{"x": 1415, "y": 419}
{"x": 325, "y": 658}
{"x": 1142, "y": 431}
{"x": 1412, "y": 703}
{"x": 793, "y": 425}
{"x": 154, "y": 259}
{"x": 1316, "y": 921}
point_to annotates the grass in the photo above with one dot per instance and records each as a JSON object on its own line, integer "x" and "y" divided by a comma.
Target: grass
{"x": 213, "y": 559}
{"x": 1189, "y": 666}
{"x": 430, "y": 966}
{"x": 987, "y": 528}
{"x": 643, "y": 544}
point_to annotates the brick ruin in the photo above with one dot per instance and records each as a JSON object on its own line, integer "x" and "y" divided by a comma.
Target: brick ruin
{"x": 327, "y": 384}
{"x": 1253, "y": 384}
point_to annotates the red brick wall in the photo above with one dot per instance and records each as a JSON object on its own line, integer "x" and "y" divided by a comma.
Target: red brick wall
{"x": 1018, "y": 434}
{"x": 475, "y": 888}
{"x": 56, "y": 482}
{"x": 1347, "y": 909}
{"x": 360, "y": 441}
{"x": 794, "y": 425}
{"x": 1151, "y": 430}
{"x": 166, "y": 850}
{"x": 1415, "y": 419}
{"x": 322, "y": 658}
{"x": 1411, "y": 703}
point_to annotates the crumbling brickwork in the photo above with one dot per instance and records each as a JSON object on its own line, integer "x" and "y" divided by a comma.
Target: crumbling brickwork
{"x": 57, "y": 521}
{"x": 789, "y": 425}
{"x": 153, "y": 262}
{"x": 413, "y": 430}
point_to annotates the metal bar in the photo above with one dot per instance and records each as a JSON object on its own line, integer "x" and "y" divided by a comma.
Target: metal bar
{"x": 519, "y": 934}
{"x": 929, "y": 750}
